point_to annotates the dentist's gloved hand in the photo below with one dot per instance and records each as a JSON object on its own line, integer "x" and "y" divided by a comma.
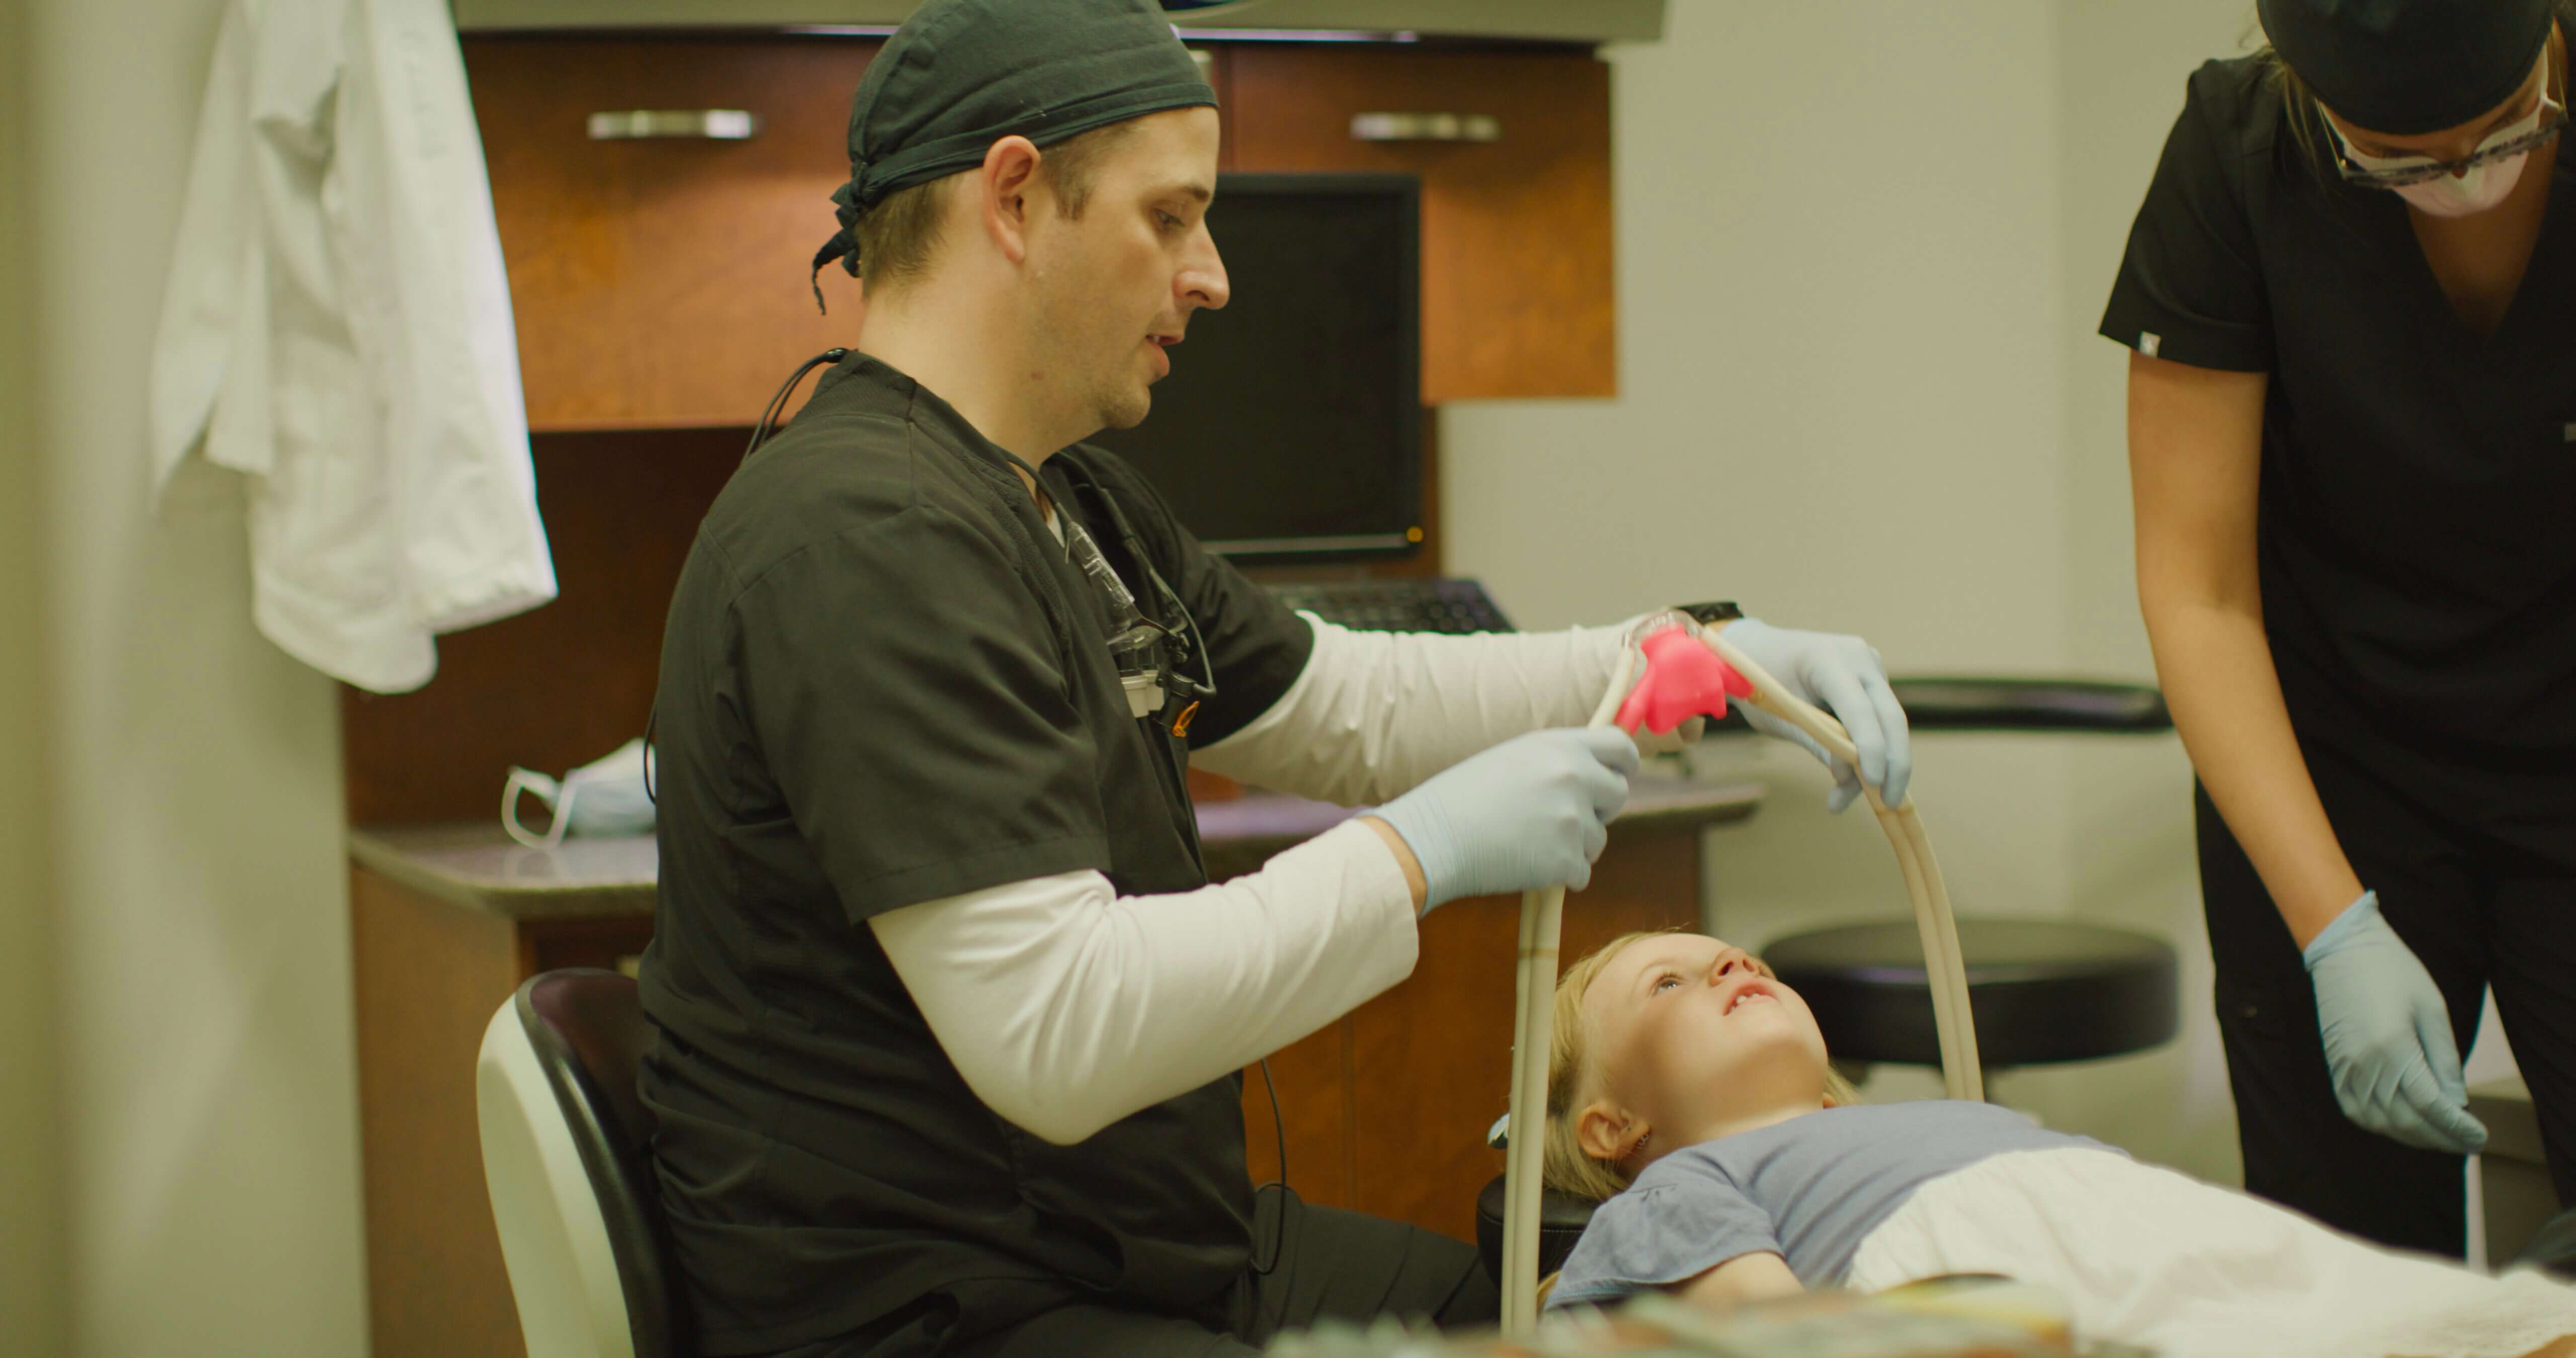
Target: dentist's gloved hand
{"x": 1844, "y": 676}
{"x": 1530, "y": 813}
{"x": 2389, "y": 1047}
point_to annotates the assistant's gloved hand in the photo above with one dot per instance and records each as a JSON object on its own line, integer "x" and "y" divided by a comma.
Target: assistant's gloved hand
{"x": 2389, "y": 1047}
{"x": 1844, "y": 676}
{"x": 1529, "y": 813}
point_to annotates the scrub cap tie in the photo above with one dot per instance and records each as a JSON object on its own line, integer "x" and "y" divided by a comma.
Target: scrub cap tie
{"x": 2407, "y": 67}
{"x": 963, "y": 74}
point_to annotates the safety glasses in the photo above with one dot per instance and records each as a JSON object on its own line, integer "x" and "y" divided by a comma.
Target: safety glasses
{"x": 2402, "y": 172}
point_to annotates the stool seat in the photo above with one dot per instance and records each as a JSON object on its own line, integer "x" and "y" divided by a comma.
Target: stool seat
{"x": 1561, "y": 1219}
{"x": 2040, "y": 990}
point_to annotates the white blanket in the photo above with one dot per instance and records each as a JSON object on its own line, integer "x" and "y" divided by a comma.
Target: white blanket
{"x": 2148, "y": 1256}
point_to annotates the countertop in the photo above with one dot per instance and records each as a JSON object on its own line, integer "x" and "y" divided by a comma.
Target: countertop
{"x": 479, "y": 867}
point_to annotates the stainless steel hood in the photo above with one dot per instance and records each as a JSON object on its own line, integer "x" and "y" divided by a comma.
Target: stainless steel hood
{"x": 1546, "y": 20}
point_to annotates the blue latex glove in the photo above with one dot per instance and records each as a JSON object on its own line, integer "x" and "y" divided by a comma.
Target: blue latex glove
{"x": 1844, "y": 676}
{"x": 2389, "y": 1047}
{"x": 1530, "y": 813}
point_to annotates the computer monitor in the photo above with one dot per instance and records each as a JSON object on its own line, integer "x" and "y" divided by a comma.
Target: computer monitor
{"x": 1290, "y": 427}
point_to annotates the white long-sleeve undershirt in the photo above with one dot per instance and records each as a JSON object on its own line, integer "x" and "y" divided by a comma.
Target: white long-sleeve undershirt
{"x": 1067, "y": 1007}
{"x": 1375, "y": 713}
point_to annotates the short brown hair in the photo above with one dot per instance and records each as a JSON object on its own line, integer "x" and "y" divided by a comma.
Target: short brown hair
{"x": 898, "y": 235}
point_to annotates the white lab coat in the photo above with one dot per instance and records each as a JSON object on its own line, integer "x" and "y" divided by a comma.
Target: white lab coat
{"x": 337, "y": 328}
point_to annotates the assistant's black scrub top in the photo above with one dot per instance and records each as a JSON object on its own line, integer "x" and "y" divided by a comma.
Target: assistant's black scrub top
{"x": 2418, "y": 572}
{"x": 883, "y": 683}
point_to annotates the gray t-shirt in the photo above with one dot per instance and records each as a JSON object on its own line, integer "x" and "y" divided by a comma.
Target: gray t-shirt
{"x": 1810, "y": 1189}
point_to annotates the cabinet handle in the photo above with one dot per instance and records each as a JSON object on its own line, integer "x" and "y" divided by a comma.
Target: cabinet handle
{"x": 1426, "y": 127}
{"x": 695, "y": 124}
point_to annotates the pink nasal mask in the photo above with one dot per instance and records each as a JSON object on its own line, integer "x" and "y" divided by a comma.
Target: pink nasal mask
{"x": 1683, "y": 679}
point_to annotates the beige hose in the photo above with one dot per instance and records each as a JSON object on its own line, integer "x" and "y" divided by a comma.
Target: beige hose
{"x": 1542, "y": 922}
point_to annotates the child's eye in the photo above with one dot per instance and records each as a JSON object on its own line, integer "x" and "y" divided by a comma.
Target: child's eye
{"x": 1666, "y": 980}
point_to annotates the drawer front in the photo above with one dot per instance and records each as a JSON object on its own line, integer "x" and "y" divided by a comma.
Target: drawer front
{"x": 1514, "y": 153}
{"x": 660, "y": 280}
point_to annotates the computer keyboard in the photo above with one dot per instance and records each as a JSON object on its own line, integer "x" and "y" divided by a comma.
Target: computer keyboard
{"x": 1397, "y": 605}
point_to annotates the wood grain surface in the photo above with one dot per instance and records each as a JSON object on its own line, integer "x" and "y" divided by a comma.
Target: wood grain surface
{"x": 663, "y": 283}
{"x": 560, "y": 685}
{"x": 1517, "y": 277}
{"x": 428, "y": 978}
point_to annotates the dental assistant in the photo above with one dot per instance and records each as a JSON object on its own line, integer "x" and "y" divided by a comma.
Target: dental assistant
{"x": 2351, "y": 297}
{"x": 950, "y": 1022}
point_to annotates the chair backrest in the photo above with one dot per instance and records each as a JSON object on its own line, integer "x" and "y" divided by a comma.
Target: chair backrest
{"x": 567, "y": 1158}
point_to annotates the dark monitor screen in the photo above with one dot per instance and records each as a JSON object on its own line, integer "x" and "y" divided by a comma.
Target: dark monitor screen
{"x": 1291, "y": 424}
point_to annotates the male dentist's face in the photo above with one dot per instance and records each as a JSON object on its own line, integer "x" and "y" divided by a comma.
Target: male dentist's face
{"x": 1117, "y": 285}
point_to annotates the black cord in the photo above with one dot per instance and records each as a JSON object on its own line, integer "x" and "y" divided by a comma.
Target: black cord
{"x": 1278, "y": 1128}
{"x": 1265, "y": 1260}
{"x": 767, "y": 424}
{"x": 651, "y": 718}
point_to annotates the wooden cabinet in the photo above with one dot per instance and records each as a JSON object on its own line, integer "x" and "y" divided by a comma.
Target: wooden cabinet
{"x": 661, "y": 283}
{"x": 1517, "y": 279}
{"x": 429, "y": 973}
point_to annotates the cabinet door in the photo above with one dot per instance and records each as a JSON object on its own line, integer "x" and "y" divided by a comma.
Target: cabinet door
{"x": 661, "y": 283}
{"x": 1516, "y": 238}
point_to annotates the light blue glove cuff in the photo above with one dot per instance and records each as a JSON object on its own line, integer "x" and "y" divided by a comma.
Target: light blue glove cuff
{"x": 2359, "y": 918}
{"x": 1424, "y": 824}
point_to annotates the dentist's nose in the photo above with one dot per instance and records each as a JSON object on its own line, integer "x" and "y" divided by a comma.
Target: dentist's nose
{"x": 1202, "y": 282}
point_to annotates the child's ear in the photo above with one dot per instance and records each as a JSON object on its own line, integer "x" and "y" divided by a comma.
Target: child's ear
{"x": 1605, "y": 1131}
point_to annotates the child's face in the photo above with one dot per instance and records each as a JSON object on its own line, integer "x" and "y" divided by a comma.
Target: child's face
{"x": 1694, "y": 1038}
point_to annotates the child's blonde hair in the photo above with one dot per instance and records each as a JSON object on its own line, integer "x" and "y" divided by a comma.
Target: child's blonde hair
{"x": 1564, "y": 1165}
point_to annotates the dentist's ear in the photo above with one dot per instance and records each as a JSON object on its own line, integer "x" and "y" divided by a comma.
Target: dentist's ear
{"x": 1606, "y": 1131}
{"x": 1008, "y": 177}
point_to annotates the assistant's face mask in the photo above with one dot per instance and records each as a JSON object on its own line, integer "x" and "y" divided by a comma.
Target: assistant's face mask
{"x": 606, "y": 797}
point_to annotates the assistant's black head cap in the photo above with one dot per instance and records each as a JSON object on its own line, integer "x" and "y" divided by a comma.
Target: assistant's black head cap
{"x": 2408, "y": 66}
{"x": 963, "y": 74}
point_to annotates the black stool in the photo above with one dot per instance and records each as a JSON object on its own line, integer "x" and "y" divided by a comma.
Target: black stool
{"x": 2038, "y": 990}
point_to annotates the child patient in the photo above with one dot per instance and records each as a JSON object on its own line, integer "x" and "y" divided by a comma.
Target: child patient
{"x": 1689, "y": 1089}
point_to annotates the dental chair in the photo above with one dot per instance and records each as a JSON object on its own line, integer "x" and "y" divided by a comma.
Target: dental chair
{"x": 567, "y": 1158}
{"x": 2039, "y": 991}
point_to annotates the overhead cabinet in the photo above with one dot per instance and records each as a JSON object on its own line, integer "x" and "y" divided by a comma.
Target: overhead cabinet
{"x": 1513, "y": 148}
{"x": 660, "y": 280}
{"x": 660, "y": 201}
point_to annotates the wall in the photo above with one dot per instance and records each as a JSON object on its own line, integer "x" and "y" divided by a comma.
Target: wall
{"x": 1860, "y": 251}
{"x": 31, "y": 1274}
{"x": 201, "y": 923}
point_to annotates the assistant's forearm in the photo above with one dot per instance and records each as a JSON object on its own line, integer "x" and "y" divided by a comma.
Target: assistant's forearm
{"x": 1067, "y": 1007}
{"x": 2215, "y": 664}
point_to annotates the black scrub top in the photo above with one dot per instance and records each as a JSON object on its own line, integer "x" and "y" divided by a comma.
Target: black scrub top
{"x": 882, "y": 683}
{"x": 2417, "y": 567}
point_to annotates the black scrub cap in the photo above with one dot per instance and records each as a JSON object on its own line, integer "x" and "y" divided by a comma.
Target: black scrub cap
{"x": 2406, "y": 67}
{"x": 963, "y": 74}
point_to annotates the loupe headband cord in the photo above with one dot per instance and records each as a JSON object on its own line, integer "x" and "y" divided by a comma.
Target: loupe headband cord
{"x": 768, "y": 421}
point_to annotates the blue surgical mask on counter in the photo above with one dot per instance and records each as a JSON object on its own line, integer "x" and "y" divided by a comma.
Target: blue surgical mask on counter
{"x": 602, "y": 798}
